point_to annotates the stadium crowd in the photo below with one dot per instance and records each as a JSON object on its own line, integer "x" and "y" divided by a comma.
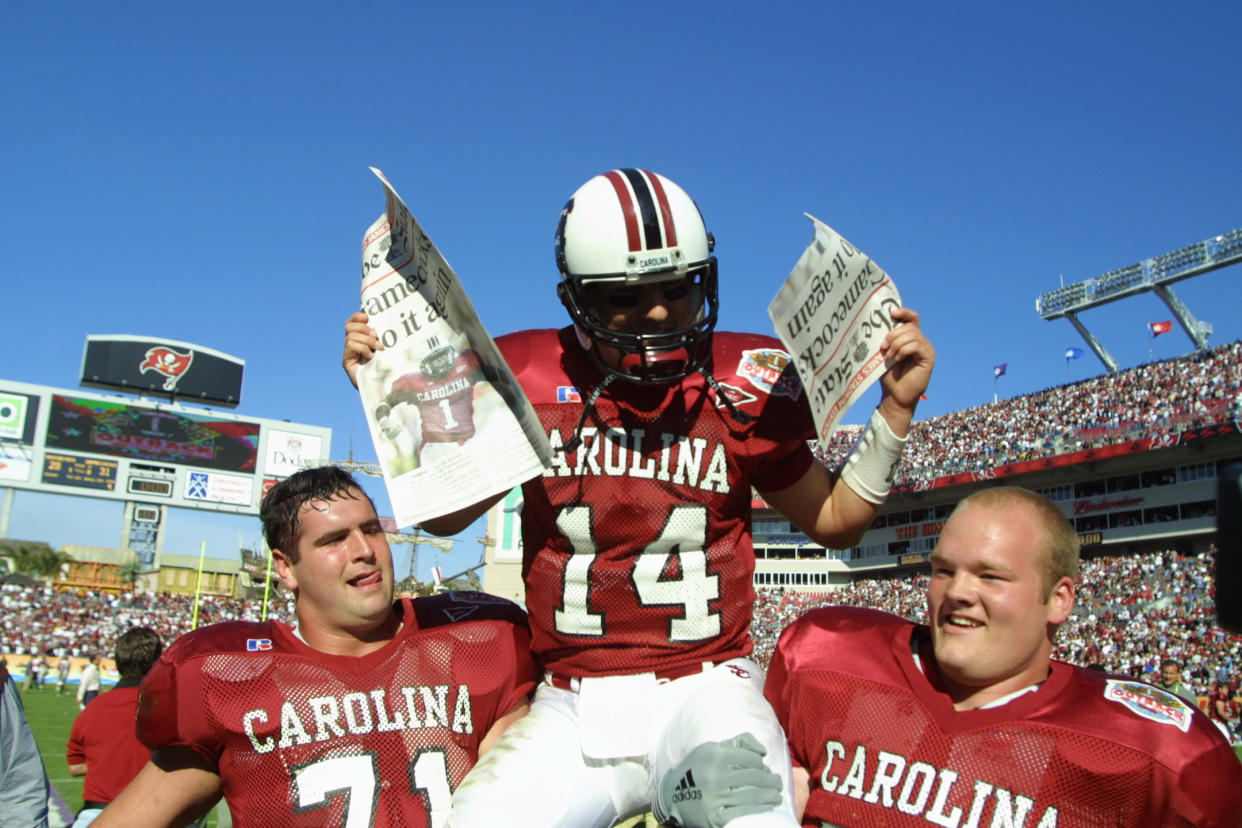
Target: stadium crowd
{"x": 1151, "y": 399}
{"x": 1133, "y": 611}
{"x": 40, "y": 621}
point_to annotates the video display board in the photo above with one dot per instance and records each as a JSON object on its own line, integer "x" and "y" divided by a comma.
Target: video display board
{"x": 151, "y": 453}
{"x": 120, "y": 430}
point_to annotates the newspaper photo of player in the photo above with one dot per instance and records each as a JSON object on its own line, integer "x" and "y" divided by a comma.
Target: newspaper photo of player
{"x": 426, "y": 410}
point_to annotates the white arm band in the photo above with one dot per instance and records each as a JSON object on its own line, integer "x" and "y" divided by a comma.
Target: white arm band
{"x": 870, "y": 466}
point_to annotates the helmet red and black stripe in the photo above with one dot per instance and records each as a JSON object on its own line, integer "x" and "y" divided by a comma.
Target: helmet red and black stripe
{"x": 632, "y": 227}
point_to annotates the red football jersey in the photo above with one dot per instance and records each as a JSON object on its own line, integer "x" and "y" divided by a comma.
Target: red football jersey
{"x": 302, "y": 738}
{"x": 445, "y": 405}
{"x": 884, "y": 747}
{"x": 637, "y": 544}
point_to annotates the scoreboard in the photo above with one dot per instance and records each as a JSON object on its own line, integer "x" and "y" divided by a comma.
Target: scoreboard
{"x": 147, "y": 451}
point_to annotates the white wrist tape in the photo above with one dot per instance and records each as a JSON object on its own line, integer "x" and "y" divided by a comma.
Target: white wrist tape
{"x": 872, "y": 462}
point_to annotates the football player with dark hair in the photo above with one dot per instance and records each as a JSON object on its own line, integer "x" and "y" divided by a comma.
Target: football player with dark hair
{"x": 102, "y": 745}
{"x": 967, "y": 721}
{"x": 368, "y": 712}
{"x": 637, "y": 543}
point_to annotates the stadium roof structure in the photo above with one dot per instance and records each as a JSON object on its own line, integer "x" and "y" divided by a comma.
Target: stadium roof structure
{"x": 1157, "y": 275}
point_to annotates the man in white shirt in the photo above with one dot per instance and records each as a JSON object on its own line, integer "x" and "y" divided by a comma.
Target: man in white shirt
{"x": 89, "y": 686}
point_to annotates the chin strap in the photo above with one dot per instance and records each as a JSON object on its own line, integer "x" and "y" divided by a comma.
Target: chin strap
{"x": 573, "y": 442}
{"x": 740, "y": 416}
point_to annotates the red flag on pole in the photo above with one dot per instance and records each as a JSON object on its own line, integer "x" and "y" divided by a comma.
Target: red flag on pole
{"x": 1158, "y": 328}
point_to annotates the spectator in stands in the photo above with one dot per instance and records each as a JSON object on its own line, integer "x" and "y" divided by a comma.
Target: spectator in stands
{"x": 102, "y": 745}
{"x": 890, "y": 721}
{"x": 1171, "y": 680}
{"x": 88, "y": 687}
{"x": 1222, "y": 709}
{"x": 23, "y": 781}
{"x": 1150, "y": 400}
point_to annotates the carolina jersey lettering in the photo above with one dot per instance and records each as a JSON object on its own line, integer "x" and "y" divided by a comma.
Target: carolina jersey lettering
{"x": 884, "y": 746}
{"x": 323, "y": 718}
{"x": 637, "y": 544}
{"x": 303, "y": 738}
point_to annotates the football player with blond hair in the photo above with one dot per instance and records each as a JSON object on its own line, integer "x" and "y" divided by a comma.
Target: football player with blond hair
{"x": 968, "y": 721}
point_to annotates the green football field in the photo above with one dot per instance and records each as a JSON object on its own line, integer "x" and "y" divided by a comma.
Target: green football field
{"x": 51, "y": 717}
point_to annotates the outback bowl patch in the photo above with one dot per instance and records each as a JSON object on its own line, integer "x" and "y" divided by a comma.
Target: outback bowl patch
{"x": 765, "y": 369}
{"x": 1150, "y": 702}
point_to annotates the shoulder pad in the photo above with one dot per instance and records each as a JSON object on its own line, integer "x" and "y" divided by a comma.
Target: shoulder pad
{"x": 226, "y": 636}
{"x": 459, "y": 607}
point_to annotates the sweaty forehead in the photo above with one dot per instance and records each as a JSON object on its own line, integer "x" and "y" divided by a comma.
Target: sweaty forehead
{"x": 334, "y": 505}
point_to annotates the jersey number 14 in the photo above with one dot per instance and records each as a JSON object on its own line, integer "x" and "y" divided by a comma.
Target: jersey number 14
{"x": 683, "y": 535}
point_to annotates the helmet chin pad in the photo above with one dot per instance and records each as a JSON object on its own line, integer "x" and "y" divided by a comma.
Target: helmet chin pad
{"x": 655, "y": 366}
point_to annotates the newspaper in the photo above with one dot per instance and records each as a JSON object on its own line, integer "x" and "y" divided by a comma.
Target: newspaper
{"x": 832, "y": 314}
{"x": 450, "y": 424}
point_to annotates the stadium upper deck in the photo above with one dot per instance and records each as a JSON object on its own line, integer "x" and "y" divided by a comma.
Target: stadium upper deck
{"x": 1132, "y": 458}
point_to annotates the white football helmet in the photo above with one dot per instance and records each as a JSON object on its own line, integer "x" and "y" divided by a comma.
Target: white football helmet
{"x": 631, "y": 227}
{"x": 439, "y": 359}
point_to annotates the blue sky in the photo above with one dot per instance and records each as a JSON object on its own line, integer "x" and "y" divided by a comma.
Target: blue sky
{"x": 199, "y": 172}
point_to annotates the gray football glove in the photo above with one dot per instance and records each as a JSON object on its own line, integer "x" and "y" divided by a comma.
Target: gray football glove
{"x": 717, "y": 782}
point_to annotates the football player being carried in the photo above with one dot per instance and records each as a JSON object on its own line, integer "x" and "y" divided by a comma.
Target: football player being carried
{"x": 967, "y": 721}
{"x": 367, "y": 713}
{"x": 637, "y": 545}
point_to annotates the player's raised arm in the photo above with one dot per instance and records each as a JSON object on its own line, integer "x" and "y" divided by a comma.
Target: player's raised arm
{"x": 456, "y": 522}
{"x": 836, "y": 516}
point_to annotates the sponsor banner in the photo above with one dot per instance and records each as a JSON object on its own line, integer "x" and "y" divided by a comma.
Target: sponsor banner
{"x": 18, "y": 413}
{"x": 289, "y": 452}
{"x": 832, "y": 314}
{"x": 219, "y": 488}
{"x": 782, "y": 538}
{"x": 12, "y": 416}
{"x": 16, "y": 461}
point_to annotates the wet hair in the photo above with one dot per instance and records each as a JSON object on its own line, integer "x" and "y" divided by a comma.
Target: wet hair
{"x": 1061, "y": 545}
{"x": 136, "y": 652}
{"x": 282, "y": 505}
